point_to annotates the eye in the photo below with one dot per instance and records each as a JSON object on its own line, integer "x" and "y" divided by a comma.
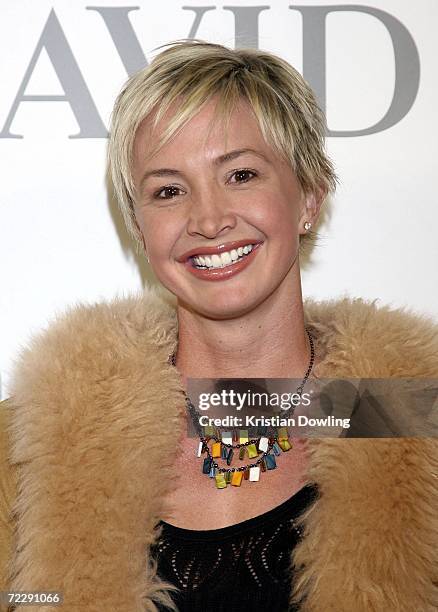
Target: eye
{"x": 167, "y": 193}
{"x": 243, "y": 175}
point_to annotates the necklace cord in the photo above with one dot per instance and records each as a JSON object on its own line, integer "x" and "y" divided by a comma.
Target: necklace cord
{"x": 273, "y": 443}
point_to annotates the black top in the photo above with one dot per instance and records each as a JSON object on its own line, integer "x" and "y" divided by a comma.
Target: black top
{"x": 242, "y": 567}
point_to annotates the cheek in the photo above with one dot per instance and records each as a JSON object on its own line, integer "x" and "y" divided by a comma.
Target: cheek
{"x": 161, "y": 231}
{"x": 275, "y": 214}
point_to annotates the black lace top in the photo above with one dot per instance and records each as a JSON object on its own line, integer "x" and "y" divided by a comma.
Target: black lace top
{"x": 244, "y": 567}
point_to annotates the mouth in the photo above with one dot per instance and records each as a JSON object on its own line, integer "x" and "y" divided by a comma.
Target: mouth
{"x": 223, "y": 261}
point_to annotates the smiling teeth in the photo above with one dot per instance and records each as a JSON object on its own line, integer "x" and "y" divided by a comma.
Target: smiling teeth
{"x": 224, "y": 259}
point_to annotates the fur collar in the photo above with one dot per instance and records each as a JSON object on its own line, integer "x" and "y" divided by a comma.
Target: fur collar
{"x": 84, "y": 434}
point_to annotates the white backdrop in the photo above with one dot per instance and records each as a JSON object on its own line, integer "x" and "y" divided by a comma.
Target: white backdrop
{"x": 63, "y": 242}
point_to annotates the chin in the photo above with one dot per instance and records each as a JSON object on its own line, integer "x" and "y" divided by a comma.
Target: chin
{"x": 224, "y": 305}
{"x": 223, "y": 299}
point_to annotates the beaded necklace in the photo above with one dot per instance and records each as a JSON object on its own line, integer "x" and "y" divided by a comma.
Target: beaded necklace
{"x": 270, "y": 443}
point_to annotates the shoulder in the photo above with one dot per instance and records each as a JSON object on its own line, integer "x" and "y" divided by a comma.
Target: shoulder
{"x": 88, "y": 343}
{"x": 367, "y": 339}
{"x": 89, "y": 365}
{"x": 123, "y": 318}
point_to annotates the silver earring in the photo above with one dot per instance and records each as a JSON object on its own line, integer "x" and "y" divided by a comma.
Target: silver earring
{"x": 307, "y": 225}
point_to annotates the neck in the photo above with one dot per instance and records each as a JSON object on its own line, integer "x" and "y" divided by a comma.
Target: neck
{"x": 268, "y": 342}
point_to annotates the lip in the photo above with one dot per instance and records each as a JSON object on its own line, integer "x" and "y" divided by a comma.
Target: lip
{"x": 219, "y": 274}
{"x": 220, "y": 248}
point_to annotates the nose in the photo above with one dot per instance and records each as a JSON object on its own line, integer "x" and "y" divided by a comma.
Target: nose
{"x": 210, "y": 214}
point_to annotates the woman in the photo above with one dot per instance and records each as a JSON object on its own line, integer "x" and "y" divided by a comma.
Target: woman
{"x": 217, "y": 158}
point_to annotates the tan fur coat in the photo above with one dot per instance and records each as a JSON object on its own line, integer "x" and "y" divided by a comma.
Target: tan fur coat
{"x": 83, "y": 475}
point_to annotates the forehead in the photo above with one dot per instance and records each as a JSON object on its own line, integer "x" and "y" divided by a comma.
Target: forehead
{"x": 202, "y": 136}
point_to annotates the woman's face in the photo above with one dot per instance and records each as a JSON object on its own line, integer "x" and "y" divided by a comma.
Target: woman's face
{"x": 202, "y": 199}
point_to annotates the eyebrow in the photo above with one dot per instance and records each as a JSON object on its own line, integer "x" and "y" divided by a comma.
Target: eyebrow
{"x": 226, "y": 157}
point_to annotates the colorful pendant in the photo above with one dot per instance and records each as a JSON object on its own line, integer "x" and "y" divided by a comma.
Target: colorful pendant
{"x": 252, "y": 451}
{"x": 243, "y": 436}
{"x": 270, "y": 462}
{"x": 254, "y": 474}
{"x": 285, "y": 445}
{"x": 220, "y": 481}
{"x": 216, "y": 450}
{"x": 206, "y": 466}
{"x": 276, "y": 449}
{"x": 236, "y": 479}
{"x": 282, "y": 433}
{"x": 227, "y": 437}
{"x": 263, "y": 444}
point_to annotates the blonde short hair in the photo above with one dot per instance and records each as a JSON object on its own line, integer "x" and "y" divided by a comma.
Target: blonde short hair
{"x": 194, "y": 71}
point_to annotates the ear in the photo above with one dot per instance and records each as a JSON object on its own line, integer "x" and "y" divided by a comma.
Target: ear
{"x": 311, "y": 207}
